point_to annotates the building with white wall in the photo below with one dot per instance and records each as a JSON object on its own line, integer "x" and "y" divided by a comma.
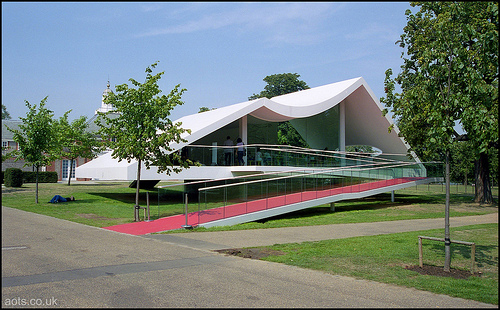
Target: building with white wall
{"x": 328, "y": 117}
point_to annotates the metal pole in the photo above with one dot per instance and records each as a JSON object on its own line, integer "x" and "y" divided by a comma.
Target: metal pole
{"x": 186, "y": 210}
{"x": 147, "y": 205}
{"x": 420, "y": 254}
{"x": 447, "y": 252}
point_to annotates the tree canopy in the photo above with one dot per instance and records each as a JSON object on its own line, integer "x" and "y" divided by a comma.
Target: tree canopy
{"x": 75, "y": 140}
{"x": 142, "y": 130}
{"x": 280, "y": 84}
{"x": 37, "y": 138}
{"x": 5, "y": 113}
{"x": 449, "y": 76}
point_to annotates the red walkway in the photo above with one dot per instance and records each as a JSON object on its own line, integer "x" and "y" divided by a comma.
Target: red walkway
{"x": 196, "y": 218}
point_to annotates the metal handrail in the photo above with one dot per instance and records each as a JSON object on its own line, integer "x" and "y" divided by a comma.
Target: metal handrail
{"x": 300, "y": 175}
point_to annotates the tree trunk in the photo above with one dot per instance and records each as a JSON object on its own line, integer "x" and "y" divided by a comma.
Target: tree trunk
{"x": 136, "y": 208}
{"x": 482, "y": 178}
{"x": 447, "y": 242}
{"x": 465, "y": 182}
{"x": 70, "y": 171}
{"x": 36, "y": 185}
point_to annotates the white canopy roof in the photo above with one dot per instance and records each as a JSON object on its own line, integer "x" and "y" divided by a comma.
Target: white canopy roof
{"x": 364, "y": 123}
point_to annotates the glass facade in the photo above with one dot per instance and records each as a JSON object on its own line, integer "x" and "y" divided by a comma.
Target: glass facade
{"x": 321, "y": 130}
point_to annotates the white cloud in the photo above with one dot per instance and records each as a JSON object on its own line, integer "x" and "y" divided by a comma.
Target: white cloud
{"x": 283, "y": 22}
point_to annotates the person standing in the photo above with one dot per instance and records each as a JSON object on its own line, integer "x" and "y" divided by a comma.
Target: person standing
{"x": 241, "y": 151}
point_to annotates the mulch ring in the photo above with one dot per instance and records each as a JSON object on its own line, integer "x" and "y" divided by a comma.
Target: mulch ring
{"x": 254, "y": 253}
{"x": 439, "y": 271}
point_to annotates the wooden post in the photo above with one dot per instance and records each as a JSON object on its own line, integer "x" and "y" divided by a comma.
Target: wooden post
{"x": 472, "y": 250}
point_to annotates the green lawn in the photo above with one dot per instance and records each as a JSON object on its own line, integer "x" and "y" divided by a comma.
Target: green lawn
{"x": 104, "y": 204}
{"x": 98, "y": 204}
{"x": 383, "y": 258}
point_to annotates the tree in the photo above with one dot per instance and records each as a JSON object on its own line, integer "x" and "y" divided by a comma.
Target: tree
{"x": 280, "y": 84}
{"x": 205, "y": 109}
{"x": 75, "y": 141}
{"x": 142, "y": 130}
{"x": 36, "y": 138}
{"x": 449, "y": 75}
{"x": 5, "y": 114}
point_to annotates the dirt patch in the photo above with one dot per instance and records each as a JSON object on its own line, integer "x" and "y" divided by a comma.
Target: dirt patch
{"x": 439, "y": 271}
{"x": 254, "y": 253}
{"x": 93, "y": 216}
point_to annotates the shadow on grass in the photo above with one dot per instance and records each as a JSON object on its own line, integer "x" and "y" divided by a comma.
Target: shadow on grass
{"x": 94, "y": 185}
{"x": 127, "y": 198}
{"x": 482, "y": 258}
{"x": 381, "y": 201}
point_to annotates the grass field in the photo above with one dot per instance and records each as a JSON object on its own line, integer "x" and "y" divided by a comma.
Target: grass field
{"x": 379, "y": 258}
{"x": 383, "y": 258}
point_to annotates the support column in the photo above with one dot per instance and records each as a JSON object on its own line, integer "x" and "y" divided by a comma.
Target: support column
{"x": 392, "y": 196}
{"x": 214, "y": 154}
{"x": 244, "y": 133}
{"x": 342, "y": 131}
{"x": 332, "y": 206}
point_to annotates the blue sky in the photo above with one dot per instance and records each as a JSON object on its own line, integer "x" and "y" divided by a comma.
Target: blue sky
{"x": 218, "y": 51}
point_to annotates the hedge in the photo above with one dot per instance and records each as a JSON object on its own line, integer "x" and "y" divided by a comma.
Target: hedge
{"x": 43, "y": 177}
{"x": 30, "y": 177}
{"x": 13, "y": 177}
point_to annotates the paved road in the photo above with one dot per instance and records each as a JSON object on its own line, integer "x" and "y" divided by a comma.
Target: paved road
{"x": 65, "y": 264}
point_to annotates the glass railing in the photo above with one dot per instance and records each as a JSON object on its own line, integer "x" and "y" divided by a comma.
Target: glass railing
{"x": 280, "y": 155}
{"x": 208, "y": 201}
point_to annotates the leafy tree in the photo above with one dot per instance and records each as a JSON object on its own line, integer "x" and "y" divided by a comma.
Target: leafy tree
{"x": 36, "y": 138}
{"x": 280, "y": 84}
{"x": 76, "y": 141}
{"x": 461, "y": 163}
{"x": 449, "y": 75}
{"x": 142, "y": 131}
{"x": 5, "y": 114}
{"x": 205, "y": 109}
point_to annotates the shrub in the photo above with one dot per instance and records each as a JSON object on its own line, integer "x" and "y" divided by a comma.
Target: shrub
{"x": 43, "y": 177}
{"x": 13, "y": 177}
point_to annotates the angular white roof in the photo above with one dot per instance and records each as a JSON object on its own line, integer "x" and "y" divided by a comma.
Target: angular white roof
{"x": 364, "y": 125}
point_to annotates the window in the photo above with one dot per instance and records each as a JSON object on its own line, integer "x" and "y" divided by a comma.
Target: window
{"x": 65, "y": 169}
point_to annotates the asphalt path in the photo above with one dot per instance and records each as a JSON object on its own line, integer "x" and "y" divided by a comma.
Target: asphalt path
{"x": 57, "y": 263}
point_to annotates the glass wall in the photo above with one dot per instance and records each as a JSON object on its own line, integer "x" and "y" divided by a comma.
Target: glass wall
{"x": 322, "y": 130}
